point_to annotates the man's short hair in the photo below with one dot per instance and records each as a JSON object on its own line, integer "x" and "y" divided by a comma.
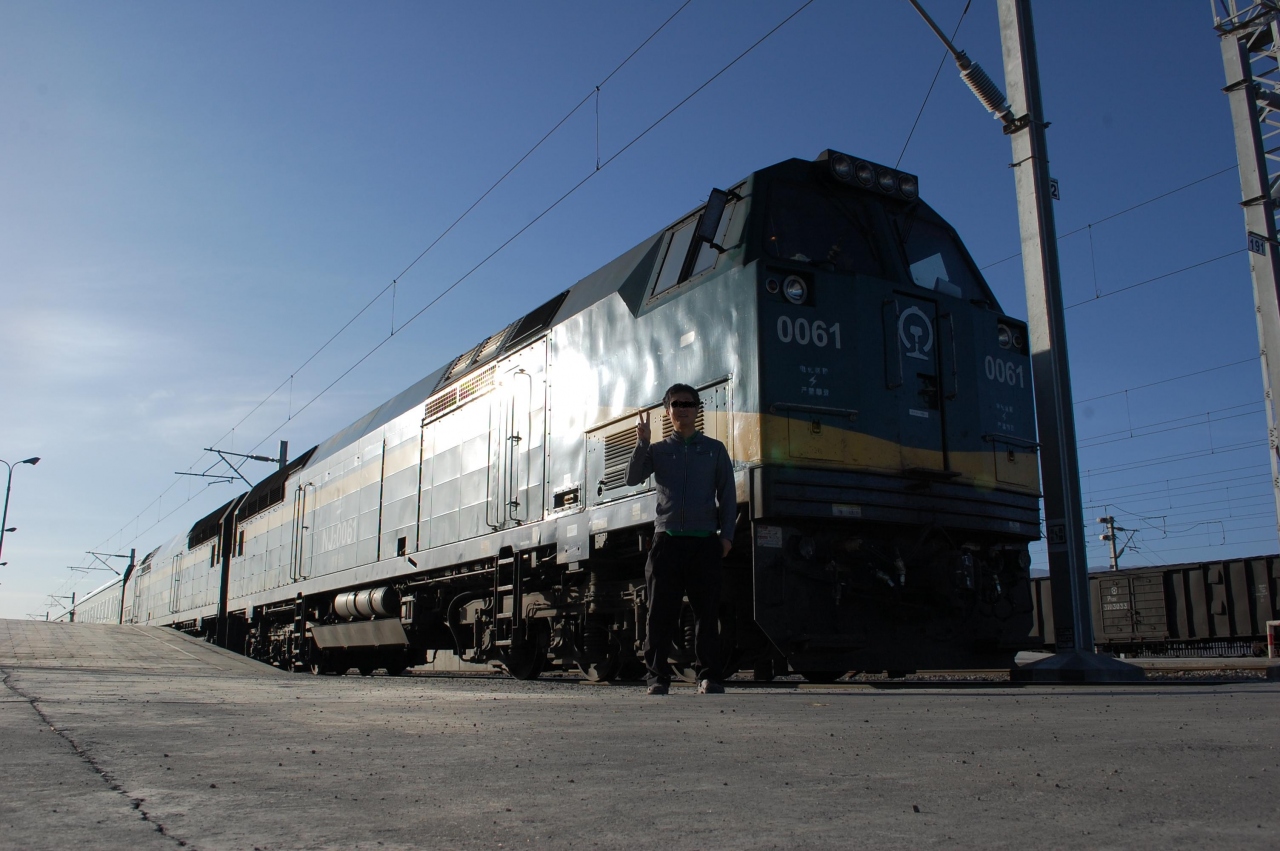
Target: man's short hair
{"x": 679, "y": 388}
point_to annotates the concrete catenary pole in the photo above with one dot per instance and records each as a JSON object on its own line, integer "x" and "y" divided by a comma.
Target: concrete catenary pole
{"x": 1075, "y": 659}
{"x": 1249, "y": 54}
{"x": 1023, "y": 119}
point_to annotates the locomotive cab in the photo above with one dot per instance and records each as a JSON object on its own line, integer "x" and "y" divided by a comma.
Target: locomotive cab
{"x": 898, "y": 468}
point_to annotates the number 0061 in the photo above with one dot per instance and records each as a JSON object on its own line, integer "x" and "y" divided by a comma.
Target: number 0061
{"x": 803, "y": 332}
{"x": 1005, "y": 372}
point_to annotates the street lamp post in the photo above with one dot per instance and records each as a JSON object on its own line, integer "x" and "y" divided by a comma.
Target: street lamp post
{"x": 4, "y": 518}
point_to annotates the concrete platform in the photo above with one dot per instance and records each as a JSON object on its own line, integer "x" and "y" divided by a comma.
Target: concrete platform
{"x": 142, "y": 738}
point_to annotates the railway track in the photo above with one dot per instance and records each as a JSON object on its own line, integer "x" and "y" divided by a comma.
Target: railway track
{"x": 1159, "y": 670}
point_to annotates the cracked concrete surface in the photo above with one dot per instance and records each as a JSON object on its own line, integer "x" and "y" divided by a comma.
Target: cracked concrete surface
{"x": 126, "y": 737}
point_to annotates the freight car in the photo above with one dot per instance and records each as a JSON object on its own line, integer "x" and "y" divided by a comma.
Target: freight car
{"x": 875, "y": 400}
{"x": 1216, "y": 608}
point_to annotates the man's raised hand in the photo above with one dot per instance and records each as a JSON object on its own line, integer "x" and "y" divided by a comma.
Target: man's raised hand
{"x": 642, "y": 427}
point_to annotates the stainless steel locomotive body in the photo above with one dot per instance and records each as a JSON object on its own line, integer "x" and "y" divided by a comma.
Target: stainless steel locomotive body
{"x": 874, "y": 399}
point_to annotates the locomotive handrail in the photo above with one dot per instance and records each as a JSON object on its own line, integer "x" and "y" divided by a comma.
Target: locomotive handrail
{"x": 1015, "y": 441}
{"x": 1012, "y": 441}
{"x": 813, "y": 409}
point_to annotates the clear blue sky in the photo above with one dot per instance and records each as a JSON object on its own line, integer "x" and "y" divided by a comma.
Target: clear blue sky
{"x": 193, "y": 197}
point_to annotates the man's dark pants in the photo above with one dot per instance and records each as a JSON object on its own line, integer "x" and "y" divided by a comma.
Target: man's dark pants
{"x": 680, "y": 565}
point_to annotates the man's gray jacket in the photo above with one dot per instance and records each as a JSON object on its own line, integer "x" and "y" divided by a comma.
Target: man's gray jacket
{"x": 690, "y": 477}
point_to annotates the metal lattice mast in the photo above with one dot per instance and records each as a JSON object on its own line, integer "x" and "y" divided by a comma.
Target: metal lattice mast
{"x": 1250, "y": 31}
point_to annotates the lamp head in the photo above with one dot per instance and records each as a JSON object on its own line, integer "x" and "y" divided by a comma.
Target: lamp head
{"x": 32, "y": 461}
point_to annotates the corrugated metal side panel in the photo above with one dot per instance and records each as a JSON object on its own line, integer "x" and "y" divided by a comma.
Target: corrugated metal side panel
{"x": 1198, "y": 603}
{"x": 1259, "y": 593}
{"x": 1216, "y": 593}
{"x": 1175, "y": 588}
{"x": 1239, "y": 598}
{"x": 1149, "y": 621}
{"x": 1112, "y": 607}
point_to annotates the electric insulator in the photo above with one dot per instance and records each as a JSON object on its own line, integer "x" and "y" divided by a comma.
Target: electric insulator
{"x": 985, "y": 89}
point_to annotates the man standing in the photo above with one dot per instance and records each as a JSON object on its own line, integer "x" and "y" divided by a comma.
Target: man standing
{"x": 693, "y": 531}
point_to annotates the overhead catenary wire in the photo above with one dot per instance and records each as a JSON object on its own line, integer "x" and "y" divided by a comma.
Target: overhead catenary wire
{"x": 553, "y": 205}
{"x": 924, "y": 103}
{"x": 1167, "y": 380}
{"x": 1156, "y": 278}
{"x": 1166, "y": 479}
{"x": 1195, "y": 420}
{"x": 634, "y": 140}
{"x": 1262, "y": 479}
{"x": 1181, "y": 510}
{"x": 391, "y": 286}
{"x": 1172, "y": 458}
{"x": 1111, "y": 216}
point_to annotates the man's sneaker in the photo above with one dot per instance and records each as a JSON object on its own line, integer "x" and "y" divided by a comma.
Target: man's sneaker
{"x": 710, "y": 687}
{"x": 659, "y": 688}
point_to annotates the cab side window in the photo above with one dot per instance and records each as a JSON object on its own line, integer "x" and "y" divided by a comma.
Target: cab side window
{"x": 677, "y": 251}
{"x": 677, "y": 264}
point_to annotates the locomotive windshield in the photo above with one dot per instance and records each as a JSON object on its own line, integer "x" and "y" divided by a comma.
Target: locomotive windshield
{"x": 840, "y": 232}
{"x": 934, "y": 260}
{"x": 810, "y": 225}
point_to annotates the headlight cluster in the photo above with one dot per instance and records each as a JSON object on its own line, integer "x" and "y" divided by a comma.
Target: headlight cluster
{"x": 1009, "y": 338}
{"x": 795, "y": 289}
{"x": 846, "y": 169}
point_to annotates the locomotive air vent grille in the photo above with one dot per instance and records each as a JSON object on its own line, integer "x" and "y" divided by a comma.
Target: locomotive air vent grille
{"x": 490, "y": 347}
{"x": 261, "y": 500}
{"x": 477, "y": 384}
{"x": 464, "y": 391}
{"x": 459, "y": 366}
{"x": 440, "y": 404}
{"x": 617, "y": 453}
{"x": 536, "y": 320}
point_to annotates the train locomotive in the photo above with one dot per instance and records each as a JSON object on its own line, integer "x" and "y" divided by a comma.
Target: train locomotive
{"x": 875, "y": 399}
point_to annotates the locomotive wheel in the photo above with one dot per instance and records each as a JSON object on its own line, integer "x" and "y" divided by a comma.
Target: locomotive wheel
{"x": 683, "y": 670}
{"x": 365, "y": 669}
{"x": 602, "y": 671}
{"x": 822, "y": 677}
{"x": 527, "y": 659}
{"x": 525, "y": 662}
{"x": 603, "y": 659}
{"x": 397, "y": 664}
{"x": 631, "y": 670}
{"x": 763, "y": 671}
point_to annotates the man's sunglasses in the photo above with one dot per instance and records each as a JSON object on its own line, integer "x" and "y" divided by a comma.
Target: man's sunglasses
{"x": 683, "y": 404}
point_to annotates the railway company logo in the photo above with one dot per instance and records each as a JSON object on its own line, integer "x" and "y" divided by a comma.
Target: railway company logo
{"x": 916, "y": 333}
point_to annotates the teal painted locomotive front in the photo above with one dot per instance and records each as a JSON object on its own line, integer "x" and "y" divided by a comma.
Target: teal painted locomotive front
{"x": 898, "y": 485}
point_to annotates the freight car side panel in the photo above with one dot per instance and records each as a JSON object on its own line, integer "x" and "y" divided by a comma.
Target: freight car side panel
{"x": 1210, "y": 607}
